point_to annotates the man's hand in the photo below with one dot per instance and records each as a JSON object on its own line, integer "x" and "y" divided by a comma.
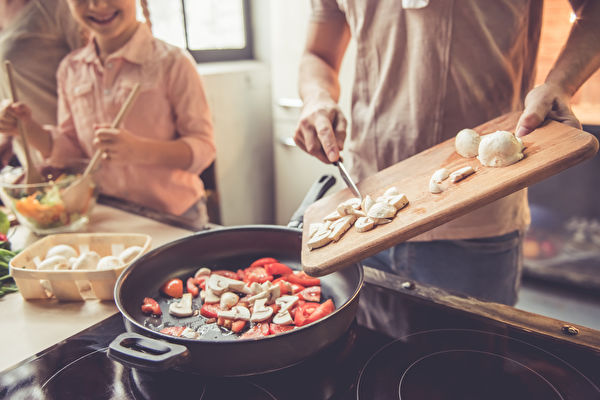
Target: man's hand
{"x": 322, "y": 130}
{"x": 546, "y": 101}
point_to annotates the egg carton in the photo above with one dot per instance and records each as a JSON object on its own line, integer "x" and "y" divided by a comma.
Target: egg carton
{"x": 73, "y": 285}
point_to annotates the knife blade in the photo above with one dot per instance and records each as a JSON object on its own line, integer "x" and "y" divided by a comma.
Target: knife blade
{"x": 346, "y": 177}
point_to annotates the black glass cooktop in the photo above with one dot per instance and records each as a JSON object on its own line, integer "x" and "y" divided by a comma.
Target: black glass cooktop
{"x": 400, "y": 347}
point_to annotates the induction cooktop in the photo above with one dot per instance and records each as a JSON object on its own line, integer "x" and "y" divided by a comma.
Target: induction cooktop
{"x": 407, "y": 342}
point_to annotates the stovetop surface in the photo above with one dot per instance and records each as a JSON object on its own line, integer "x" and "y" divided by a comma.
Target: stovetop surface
{"x": 442, "y": 353}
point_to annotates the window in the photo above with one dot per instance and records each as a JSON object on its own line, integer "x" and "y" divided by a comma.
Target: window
{"x": 212, "y": 30}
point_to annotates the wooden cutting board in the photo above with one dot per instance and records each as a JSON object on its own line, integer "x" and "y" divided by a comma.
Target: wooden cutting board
{"x": 549, "y": 150}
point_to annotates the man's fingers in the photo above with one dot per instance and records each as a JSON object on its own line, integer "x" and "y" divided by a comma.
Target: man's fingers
{"x": 532, "y": 117}
{"x": 340, "y": 130}
{"x": 327, "y": 139}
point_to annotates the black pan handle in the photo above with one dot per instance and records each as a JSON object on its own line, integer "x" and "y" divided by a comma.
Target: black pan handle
{"x": 316, "y": 191}
{"x": 137, "y": 351}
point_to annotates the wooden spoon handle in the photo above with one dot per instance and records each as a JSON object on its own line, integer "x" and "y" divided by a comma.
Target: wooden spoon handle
{"x": 32, "y": 174}
{"x": 116, "y": 122}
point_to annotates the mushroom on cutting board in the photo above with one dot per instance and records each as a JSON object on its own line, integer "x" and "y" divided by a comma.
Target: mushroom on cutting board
{"x": 467, "y": 142}
{"x": 500, "y": 149}
{"x": 461, "y": 173}
{"x": 364, "y": 224}
{"x": 182, "y": 308}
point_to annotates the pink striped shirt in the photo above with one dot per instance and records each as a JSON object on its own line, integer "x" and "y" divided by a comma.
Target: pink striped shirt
{"x": 171, "y": 104}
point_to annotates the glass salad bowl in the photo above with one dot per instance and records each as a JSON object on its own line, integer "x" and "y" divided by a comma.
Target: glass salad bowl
{"x": 40, "y": 206}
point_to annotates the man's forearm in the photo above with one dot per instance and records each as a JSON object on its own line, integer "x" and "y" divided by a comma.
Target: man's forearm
{"x": 580, "y": 57}
{"x": 317, "y": 79}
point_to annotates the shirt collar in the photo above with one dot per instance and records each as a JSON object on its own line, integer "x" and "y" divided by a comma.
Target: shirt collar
{"x": 136, "y": 50}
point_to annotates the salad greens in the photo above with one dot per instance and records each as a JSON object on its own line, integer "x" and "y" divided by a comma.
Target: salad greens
{"x": 7, "y": 284}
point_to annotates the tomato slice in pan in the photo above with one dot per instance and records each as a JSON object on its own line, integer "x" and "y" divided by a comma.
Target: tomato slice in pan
{"x": 263, "y": 261}
{"x": 238, "y": 325}
{"x": 303, "y": 312}
{"x": 173, "y": 288}
{"x": 209, "y": 310}
{"x": 301, "y": 278}
{"x": 322, "y": 310}
{"x": 226, "y": 273}
{"x": 311, "y": 293}
{"x": 274, "y": 329}
{"x": 173, "y": 330}
{"x": 151, "y": 306}
{"x": 257, "y": 331}
{"x": 278, "y": 269}
{"x": 191, "y": 287}
{"x": 257, "y": 274}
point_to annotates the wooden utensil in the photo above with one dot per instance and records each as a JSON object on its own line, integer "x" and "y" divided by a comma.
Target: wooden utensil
{"x": 76, "y": 194}
{"x": 549, "y": 150}
{"x": 32, "y": 175}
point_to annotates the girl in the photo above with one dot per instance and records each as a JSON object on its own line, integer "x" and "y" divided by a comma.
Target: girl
{"x": 166, "y": 140}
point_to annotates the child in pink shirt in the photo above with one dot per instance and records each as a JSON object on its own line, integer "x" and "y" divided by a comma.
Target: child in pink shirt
{"x": 166, "y": 140}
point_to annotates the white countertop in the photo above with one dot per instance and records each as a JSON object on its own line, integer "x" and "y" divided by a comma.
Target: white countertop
{"x": 29, "y": 327}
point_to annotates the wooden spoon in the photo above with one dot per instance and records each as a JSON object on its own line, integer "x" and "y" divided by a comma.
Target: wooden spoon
{"x": 32, "y": 175}
{"x": 76, "y": 195}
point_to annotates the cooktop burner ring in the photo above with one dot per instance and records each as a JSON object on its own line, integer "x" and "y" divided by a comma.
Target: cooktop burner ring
{"x": 512, "y": 363}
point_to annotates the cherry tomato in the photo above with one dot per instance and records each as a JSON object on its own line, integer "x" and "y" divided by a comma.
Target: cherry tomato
{"x": 173, "y": 288}
{"x": 209, "y": 310}
{"x": 278, "y": 269}
{"x": 173, "y": 330}
{"x": 312, "y": 293}
{"x": 322, "y": 310}
{"x": 263, "y": 261}
{"x": 274, "y": 329}
{"x": 150, "y": 306}
{"x": 257, "y": 331}
{"x": 301, "y": 278}
{"x": 226, "y": 273}
{"x": 191, "y": 287}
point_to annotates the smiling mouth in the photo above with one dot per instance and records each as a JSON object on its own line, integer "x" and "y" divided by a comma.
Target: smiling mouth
{"x": 103, "y": 20}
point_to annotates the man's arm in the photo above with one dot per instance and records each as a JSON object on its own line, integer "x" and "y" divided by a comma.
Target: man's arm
{"x": 322, "y": 127}
{"x": 578, "y": 60}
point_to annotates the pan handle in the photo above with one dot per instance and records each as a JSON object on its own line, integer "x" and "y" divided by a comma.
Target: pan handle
{"x": 137, "y": 351}
{"x": 316, "y": 191}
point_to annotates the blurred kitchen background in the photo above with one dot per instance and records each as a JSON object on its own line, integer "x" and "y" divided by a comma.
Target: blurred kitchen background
{"x": 248, "y": 53}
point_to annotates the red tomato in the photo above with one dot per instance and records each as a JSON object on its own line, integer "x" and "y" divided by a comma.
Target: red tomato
{"x": 287, "y": 287}
{"x": 226, "y": 273}
{"x": 274, "y": 329}
{"x": 257, "y": 274}
{"x": 303, "y": 312}
{"x": 191, "y": 287}
{"x": 3, "y": 237}
{"x": 257, "y": 331}
{"x": 201, "y": 281}
{"x": 241, "y": 274}
{"x": 263, "y": 261}
{"x": 324, "y": 309}
{"x": 312, "y": 293}
{"x": 278, "y": 269}
{"x": 173, "y": 288}
{"x": 209, "y": 310}
{"x": 238, "y": 325}
{"x": 300, "y": 278}
{"x": 173, "y": 330}
{"x": 150, "y": 306}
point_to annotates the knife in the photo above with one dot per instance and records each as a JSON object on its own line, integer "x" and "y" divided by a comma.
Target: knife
{"x": 346, "y": 177}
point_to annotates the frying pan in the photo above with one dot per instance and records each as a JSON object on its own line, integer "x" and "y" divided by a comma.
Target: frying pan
{"x": 218, "y": 352}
